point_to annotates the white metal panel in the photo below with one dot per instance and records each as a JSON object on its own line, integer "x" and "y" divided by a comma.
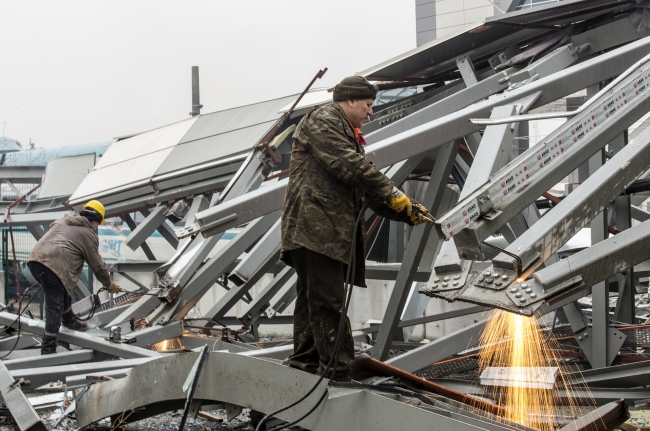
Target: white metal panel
{"x": 63, "y": 175}
{"x": 133, "y": 160}
{"x": 145, "y": 143}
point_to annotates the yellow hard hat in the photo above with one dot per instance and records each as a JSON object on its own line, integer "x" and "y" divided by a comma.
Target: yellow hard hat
{"x": 97, "y": 206}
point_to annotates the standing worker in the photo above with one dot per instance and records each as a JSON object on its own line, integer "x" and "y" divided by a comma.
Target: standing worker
{"x": 57, "y": 260}
{"x": 330, "y": 179}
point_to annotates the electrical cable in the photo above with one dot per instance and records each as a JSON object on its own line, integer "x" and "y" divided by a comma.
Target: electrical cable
{"x": 96, "y": 304}
{"x": 333, "y": 362}
{"x": 20, "y": 306}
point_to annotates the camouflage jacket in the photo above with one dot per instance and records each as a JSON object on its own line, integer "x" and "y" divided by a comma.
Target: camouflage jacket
{"x": 330, "y": 179}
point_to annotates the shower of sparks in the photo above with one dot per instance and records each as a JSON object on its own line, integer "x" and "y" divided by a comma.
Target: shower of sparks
{"x": 512, "y": 340}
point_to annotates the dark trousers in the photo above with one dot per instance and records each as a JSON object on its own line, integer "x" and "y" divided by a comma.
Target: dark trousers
{"x": 58, "y": 304}
{"x": 317, "y": 314}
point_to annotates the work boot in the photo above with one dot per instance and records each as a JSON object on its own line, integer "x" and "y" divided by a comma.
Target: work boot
{"x": 77, "y": 326}
{"x": 48, "y": 346}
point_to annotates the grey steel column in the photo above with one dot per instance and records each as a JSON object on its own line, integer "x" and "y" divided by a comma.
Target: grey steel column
{"x": 433, "y": 196}
{"x": 145, "y": 247}
{"x": 599, "y": 291}
{"x": 144, "y": 230}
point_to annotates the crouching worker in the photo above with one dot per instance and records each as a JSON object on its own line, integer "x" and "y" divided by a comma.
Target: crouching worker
{"x": 57, "y": 260}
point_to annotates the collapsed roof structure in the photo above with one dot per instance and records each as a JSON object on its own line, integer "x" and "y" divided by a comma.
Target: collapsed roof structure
{"x": 228, "y": 169}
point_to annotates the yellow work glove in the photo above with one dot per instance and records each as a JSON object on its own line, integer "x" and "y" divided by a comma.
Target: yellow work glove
{"x": 420, "y": 214}
{"x": 114, "y": 288}
{"x": 399, "y": 202}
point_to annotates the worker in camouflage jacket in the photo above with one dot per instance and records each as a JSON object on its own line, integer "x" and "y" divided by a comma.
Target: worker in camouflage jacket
{"x": 330, "y": 179}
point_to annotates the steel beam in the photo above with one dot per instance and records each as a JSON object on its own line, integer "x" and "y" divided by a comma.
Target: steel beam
{"x": 518, "y": 184}
{"x": 433, "y": 318}
{"x": 421, "y": 132}
{"x": 44, "y": 375}
{"x": 31, "y": 219}
{"x": 145, "y": 247}
{"x": 419, "y": 237}
{"x": 148, "y": 226}
{"x": 80, "y": 339}
{"x": 262, "y": 301}
{"x": 64, "y": 358}
{"x": 21, "y": 410}
{"x": 208, "y": 274}
{"x": 439, "y": 349}
{"x": 267, "y": 246}
{"x": 22, "y": 174}
{"x": 282, "y": 299}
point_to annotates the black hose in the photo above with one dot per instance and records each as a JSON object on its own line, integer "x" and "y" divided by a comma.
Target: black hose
{"x": 96, "y": 304}
{"x": 334, "y": 359}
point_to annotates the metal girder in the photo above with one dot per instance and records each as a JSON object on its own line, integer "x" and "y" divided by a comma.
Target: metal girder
{"x": 148, "y": 226}
{"x": 208, "y": 274}
{"x": 522, "y": 181}
{"x": 434, "y": 318}
{"x": 64, "y": 358}
{"x": 432, "y": 198}
{"x": 493, "y": 153}
{"x": 467, "y": 70}
{"x": 261, "y": 302}
{"x": 281, "y": 300}
{"x": 576, "y": 395}
{"x": 73, "y": 382}
{"x": 390, "y": 272}
{"x": 22, "y": 174}
{"x": 143, "y": 266}
{"x": 584, "y": 269}
{"x": 439, "y": 349}
{"x": 35, "y": 377}
{"x": 154, "y": 334}
{"x": 30, "y": 219}
{"x": 134, "y": 281}
{"x": 421, "y": 132}
{"x": 238, "y": 292}
{"x": 24, "y": 341}
{"x": 268, "y": 245}
{"x": 544, "y": 238}
{"x": 80, "y": 339}
{"x": 21, "y": 410}
{"x": 268, "y": 386}
{"x": 145, "y": 247}
{"x": 619, "y": 376}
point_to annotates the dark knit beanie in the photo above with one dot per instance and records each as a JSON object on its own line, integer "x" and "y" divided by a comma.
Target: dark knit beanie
{"x": 354, "y": 88}
{"x": 91, "y": 215}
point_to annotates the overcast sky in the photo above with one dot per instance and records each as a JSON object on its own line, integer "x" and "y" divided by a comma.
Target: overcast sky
{"x": 75, "y": 72}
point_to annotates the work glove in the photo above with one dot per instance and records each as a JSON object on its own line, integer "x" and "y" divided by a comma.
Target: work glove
{"x": 399, "y": 202}
{"x": 420, "y": 214}
{"x": 114, "y": 288}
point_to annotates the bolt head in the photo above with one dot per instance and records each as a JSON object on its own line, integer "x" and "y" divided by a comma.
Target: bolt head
{"x": 489, "y": 281}
{"x": 498, "y": 283}
{"x": 455, "y": 283}
{"x": 579, "y": 338}
{"x": 504, "y": 277}
{"x": 586, "y": 334}
{"x": 481, "y": 279}
{"x": 524, "y": 285}
{"x": 446, "y": 278}
{"x": 488, "y": 273}
{"x": 436, "y": 279}
{"x": 457, "y": 277}
{"x": 522, "y": 300}
{"x": 444, "y": 284}
{"x": 513, "y": 290}
{"x": 518, "y": 295}
{"x": 533, "y": 295}
{"x": 529, "y": 290}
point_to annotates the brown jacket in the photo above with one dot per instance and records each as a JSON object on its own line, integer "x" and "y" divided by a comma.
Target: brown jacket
{"x": 69, "y": 242}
